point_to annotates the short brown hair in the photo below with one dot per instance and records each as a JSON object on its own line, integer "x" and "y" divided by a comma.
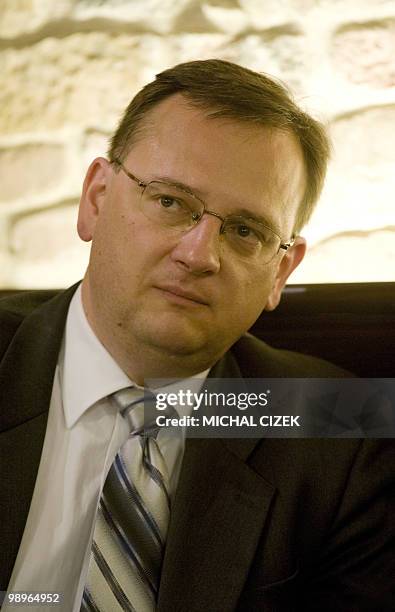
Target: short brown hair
{"x": 227, "y": 90}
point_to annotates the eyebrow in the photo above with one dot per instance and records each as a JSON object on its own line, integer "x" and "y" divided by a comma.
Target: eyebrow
{"x": 183, "y": 186}
{"x": 247, "y": 214}
{"x": 240, "y": 212}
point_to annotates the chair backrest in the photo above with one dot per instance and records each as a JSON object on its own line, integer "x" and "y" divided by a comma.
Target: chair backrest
{"x": 352, "y": 325}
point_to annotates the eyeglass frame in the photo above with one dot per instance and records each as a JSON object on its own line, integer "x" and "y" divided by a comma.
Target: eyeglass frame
{"x": 283, "y": 245}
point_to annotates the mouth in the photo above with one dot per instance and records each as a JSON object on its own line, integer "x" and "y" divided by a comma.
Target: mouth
{"x": 182, "y": 296}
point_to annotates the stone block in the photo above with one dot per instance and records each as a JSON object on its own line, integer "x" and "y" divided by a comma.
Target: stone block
{"x": 358, "y": 194}
{"x": 361, "y": 183}
{"x": 188, "y": 47}
{"x": 83, "y": 79}
{"x": 350, "y": 257}
{"x": 279, "y": 53}
{"x": 95, "y": 144}
{"x": 264, "y": 14}
{"x": 19, "y": 17}
{"x": 46, "y": 251}
{"x": 150, "y": 15}
{"x": 29, "y": 169}
{"x": 365, "y": 53}
{"x": 226, "y": 18}
{"x": 364, "y": 138}
{"x": 64, "y": 269}
{"x": 44, "y": 234}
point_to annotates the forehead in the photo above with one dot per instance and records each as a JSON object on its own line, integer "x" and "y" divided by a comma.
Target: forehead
{"x": 222, "y": 158}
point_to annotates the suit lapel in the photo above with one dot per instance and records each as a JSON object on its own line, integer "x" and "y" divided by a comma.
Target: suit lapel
{"x": 217, "y": 517}
{"x": 28, "y": 367}
{"x": 26, "y": 378}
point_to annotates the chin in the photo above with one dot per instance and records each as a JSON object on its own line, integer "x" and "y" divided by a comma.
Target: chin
{"x": 173, "y": 338}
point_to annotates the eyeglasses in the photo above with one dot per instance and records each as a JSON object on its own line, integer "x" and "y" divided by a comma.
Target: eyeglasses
{"x": 174, "y": 207}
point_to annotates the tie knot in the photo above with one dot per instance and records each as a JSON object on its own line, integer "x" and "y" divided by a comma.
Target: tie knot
{"x": 138, "y": 407}
{"x": 128, "y": 397}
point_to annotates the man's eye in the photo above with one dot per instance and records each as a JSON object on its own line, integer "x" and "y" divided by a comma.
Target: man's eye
{"x": 244, "y": 231}
{"x": 168, "y": 202}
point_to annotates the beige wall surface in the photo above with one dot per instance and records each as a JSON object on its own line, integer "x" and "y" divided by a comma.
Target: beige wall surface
{"x": 69, "y": 67}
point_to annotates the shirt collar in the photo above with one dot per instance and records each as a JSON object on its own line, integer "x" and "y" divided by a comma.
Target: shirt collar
{"x": 89, "y": 371}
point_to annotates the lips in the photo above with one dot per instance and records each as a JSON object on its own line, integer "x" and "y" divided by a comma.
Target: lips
{"x": 183, "y": 294}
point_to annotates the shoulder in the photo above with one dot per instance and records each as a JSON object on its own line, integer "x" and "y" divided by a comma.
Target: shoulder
{"x": 256, "y": 359}
{"x": 23, "y": 303}
{"x": 15, "y": 308}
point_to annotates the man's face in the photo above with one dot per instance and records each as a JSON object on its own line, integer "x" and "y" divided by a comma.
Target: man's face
{"x": 185, "y": 295}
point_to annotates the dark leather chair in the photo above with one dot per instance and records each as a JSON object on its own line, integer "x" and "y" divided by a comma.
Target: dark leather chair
{"x": 352, "y": 325}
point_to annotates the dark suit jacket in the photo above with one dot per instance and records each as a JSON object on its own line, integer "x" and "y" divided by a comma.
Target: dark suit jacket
{"x": 273, "y": 525}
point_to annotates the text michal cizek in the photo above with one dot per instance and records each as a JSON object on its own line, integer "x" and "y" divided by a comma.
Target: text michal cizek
{"x": 226, "y": 420}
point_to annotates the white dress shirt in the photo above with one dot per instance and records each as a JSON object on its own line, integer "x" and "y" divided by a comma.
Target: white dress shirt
{"x": 84, "y": 433}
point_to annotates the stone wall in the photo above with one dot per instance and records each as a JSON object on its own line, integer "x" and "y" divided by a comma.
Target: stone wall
{"x": 70, "y": 66}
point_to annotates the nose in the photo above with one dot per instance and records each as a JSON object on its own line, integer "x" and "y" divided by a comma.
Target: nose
{"x": 198, "y": 249}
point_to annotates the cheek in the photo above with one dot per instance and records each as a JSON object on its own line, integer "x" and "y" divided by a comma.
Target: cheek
{"x": 115, "y": 232}
{"x": 128, "y": 252}
{"x": 258, "y": 282}
{"x": 248, "y": 299}
{"x": 253, "y": 295}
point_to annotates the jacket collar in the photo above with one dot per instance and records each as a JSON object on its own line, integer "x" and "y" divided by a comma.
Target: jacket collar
{"x": 31, "y": 360}
{"x": 26, "y": 378}
{"x": 218, "y": 515}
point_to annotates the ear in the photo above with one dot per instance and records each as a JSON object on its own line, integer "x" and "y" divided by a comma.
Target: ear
{"x": 93, "y": 196}
{"x": 289, "y": 262}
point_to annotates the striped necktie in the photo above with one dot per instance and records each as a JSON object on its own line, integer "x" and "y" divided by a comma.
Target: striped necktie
{"x": 133, "y": 516}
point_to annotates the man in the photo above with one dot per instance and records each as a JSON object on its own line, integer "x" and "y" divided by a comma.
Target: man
{"x": 194, "y": 221}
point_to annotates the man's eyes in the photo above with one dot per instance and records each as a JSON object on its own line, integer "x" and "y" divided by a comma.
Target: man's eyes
{"x": 238, "y": 229}
{"x": 245, "y": 231}
{"x": 170, "y": 202}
